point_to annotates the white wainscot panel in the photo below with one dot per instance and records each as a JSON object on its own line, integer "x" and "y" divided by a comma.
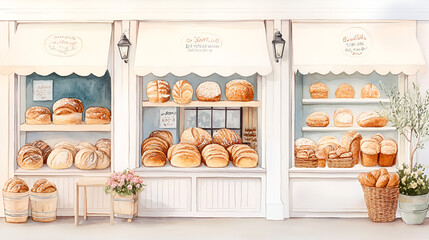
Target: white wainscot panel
{"x": 329, "y": 195}
{"x": 166, "y": 194}
{"x": 229, "y": 194}
{"x": 98, "y": 201}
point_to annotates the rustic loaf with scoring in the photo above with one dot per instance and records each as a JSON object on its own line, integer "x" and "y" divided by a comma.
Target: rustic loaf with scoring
{"x": 239, "y": 90}
{"x": 60, "y": 158}
{"x": 97, "y": 115}
{"x": 16, "y": 185}
{"x": 37, "y": 115}
{"x": 196, "y": 136}
{"x": 29, "y": 157}
{"x": 243, "y": 156}
{"x": 184, "y": 155}
{"x": 226, "y": 137}
{"x": 214, "y": 155}
{"x": 67, "y": 111}
{"x": 43, "y": 186}
{"x": 182, "y": 92}
{"x": 317, "y": 119}
{"x": 158, "y": 91}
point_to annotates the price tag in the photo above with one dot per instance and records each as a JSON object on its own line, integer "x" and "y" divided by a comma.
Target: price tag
{"x": 43, "y": 90}
{"x": 167, "y": 118}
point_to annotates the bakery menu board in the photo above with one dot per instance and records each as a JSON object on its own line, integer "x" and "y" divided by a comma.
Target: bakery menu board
{"x": 43, "y": 90}
{"x": 168, "y": 117}
{"x": 203, "y": 43}
{"x": 355, "y": 42}
{"x": 63, "y": 45}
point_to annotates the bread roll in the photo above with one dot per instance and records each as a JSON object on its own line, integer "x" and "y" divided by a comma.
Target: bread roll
{"x": 86, "y": 159}
{"x": 83, "y": 145}
{"x": 383, "y": 171}
{"x": 166, "y": 135}
{"x": 343, "y": 117}
{"x": 97, "y": 115}
{"x": 345, "y": 91}
{"x": 154, "y": 158}
{"x": 243, "y": 156}
{"x": 369, "y": 152}
{"x": 393, "y": 180}
{"x": 182, "y": 92}
{"x": 304, "y": 144}
{"x": 67, "y": 145}
{"x": 376, "y": 173}
{"x": 60, "y": 158}
{"x": 184, "y": 155}
{"x": 226, "y": 137}
{"x": 351, "y": 141}
{"x": 239, "y": 90}
{"x": 378, "y": 137}
{"x": 371, "y": 119}
{"x": 15, "y": 185}
{"x": 38, "y": 115}
{"x": 209, "y": 92}
{"x": 43, "y": 186}
{"x": 44, "y": 147}
{"x": 158, "y": 91}
{"x": 105, "y": 146}
{"x": 196, "y": 136}
{"x": 388, "y": 152}
{"x": 214, "y": 155}
{"x": 319, "y": 90}
{"x": 67, "y": 111}
{"x": 30, "y": 157}
{"x": 370, "y": 91}
{"x": 317, "y": 119}
{"x": 382, "y": 181}
{"x": 103, "y": 160}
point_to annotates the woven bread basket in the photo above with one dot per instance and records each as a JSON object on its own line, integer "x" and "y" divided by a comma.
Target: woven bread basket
{"x": 381, "y": 203}
{"x": 306, "y": 163}
{"x": 340, "y": 162}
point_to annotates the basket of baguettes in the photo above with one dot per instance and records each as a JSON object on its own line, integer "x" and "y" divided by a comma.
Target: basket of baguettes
{"x": 196, "y": 146}
{"x": 381, "y": 194}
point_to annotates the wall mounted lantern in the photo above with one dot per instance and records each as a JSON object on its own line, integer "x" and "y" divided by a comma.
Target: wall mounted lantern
{"x": 279, "y": 46}
{"x": 124, "y": 47}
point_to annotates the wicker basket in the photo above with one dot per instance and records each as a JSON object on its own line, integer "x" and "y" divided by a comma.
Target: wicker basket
{"x": 381, "y": 203}
{"x": 341, "y": 163}
{"x": 306, "y": 163}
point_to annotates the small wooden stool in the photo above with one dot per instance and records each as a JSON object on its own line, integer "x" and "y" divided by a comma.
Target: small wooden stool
{"x": 90, "y": 182}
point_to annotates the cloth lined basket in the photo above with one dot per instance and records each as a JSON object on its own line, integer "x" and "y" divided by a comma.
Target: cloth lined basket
{"x": 381, "y": 203}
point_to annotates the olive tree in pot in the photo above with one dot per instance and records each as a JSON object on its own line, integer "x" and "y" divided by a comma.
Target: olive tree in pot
{"x": 409, "y": 113}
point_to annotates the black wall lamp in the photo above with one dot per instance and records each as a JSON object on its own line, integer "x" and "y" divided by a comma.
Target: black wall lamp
{"x": 124, "y": 47}
{"x": 279, "y": 46}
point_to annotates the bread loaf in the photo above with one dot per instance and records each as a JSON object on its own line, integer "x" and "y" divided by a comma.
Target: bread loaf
{"x": 43, "y": 186}
{"x": 158, "y": 91}
{"x": 243, "y": 156}
{"x": 345, "y": 91}
{"x": 305, "y": 144}
{"x": 154, "y": 149}
{"x": 226, "y": 137}
{"x": 351, "y": 141}
{"x": 30, "y": 157}
{"x": 104, "y": 145}
{"x": 166, "y": 135}
{"x": 15, "y": 185}
{"x": 371, "y": 119}
{"x": 208, "y": 92}
{"x": 97, "y": 115}
{"x": 388, "y": 152}
{"x": 379, "y": 178}
{"x": 182, "y": 92}
{"x": 343, "y": 117}
{"x": 196, "y": 136}
{"x": 239, "y": 90}
{"x": 184, "y": 155}
{"x": 370, "y": 91}
{"x": 154, "y": 142}
{"x": 44, "y": 147}
{"x": 38, "y": 115}
{"x": 83, "y": 145}
{"x": 393, "y": 180}
{"x": 60, "y": 158}
{"x": 86, "y": 159}
{"x": 319, "y": 90}
{"x": 67, "y": 145}
{"x": 214, "y": 155}
{"x": 67, "y": 111}
{"x": 378, "y": 137}
{"x": 326, "y": 145}
{"x": 369, "y": 152}
{"x": 317, "y": 119}
{"x": 103, "y": 160}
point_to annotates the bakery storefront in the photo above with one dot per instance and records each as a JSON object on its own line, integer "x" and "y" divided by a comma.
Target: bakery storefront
{"x": 340, "y": 72}
{"x": 61, "y": 105}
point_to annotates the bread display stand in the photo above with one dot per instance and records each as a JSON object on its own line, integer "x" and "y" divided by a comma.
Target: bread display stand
{"x": 15, "y": 206}
{"x": 44, "y": 206}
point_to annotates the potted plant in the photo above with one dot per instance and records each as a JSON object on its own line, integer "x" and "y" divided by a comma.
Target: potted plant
{"x": 125, "y": 187}
{"x": 409, "y": 113}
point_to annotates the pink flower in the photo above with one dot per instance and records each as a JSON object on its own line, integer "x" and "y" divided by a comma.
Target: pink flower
{"x": 138, "y": 185}
{"x": 114, "y": 184}
{"x": 121, "y": 183}
{"x": 140, "y": 180}
{"x": 130, "y": 187}
{"x": 135, "y": 180}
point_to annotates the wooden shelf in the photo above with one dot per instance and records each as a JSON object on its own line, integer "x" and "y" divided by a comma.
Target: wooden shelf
{"x": 202, "y": 168}
{"x": 356, "y": 169}
{"x": 346, "y": 129}
{"x": 73, "y": 171}
{"x": 338, "y": 101}
{"x": 204, "y": 104}
{"x": 65, "y": 128}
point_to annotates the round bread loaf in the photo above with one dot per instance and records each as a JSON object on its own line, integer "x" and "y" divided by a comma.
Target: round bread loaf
{"x": 15, "y": 185}
{"x": 67, "y": 145}
{"x": 319, "y": 90}
{"x": 38, "y": 115}
{"x": 196, "y": 136}
{"x": 30, "y": 157}
{"x": 86, "y": 159}
{"x": 154, "y": 157}
{"x": 103, "y": 160}
{"x": 83, "y": 145}
{"x": 243, "y": 156}
{"x": 239, "y": 90}
{"x": 44, "y": 147}
{"x": 371, "y": 119}
{"x": 216, "y": 156}
{"x": 67, "y": 111}
{"x": 209, "y": 92}
{"x": 43, "y": 186}
{"x": 317, "y": 119}
{"x": 60, "y": 158}
{"x": 370, "y": 91}
{"x": 182, "y": 92}
{"x": 345, "y": 91}
{"x": 226, "y": 137}
{"x": 305, "y": 144}
{"x": 184, "y": 155}
{"x": 158, "y": 91}
{"x": 154, "y": 149}
{"x": 97, "y": 115}
{"x": 166, "y": 135}
{"x": 343, "y": 117}
{"x": 104, "y": 145}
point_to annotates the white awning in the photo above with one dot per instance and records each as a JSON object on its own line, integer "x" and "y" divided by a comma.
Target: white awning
{"x": 202, "y": 48}
{"x": 323, "y": 47}
{"x": 63, "y": 48}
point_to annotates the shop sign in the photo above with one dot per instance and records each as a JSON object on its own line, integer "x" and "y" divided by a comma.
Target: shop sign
{"x": 202, "y": 43}
{"x": 355, "y": 42}
{"x": 63, "y": 45}
{"x": 43, "y": 90}
{"x": 167, "y": 117}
